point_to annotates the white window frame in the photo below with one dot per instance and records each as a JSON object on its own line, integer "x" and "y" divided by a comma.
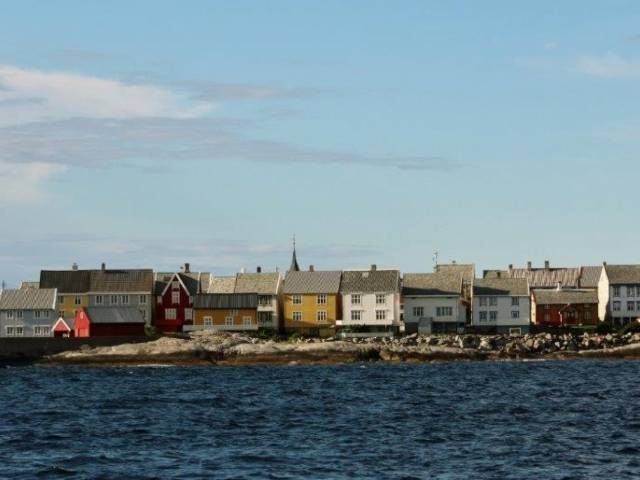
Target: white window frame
{"x": 381, "y": 314}
{"x": 356, "y": 299}
{"x": 207, "y": 321}
{"x": 99, "y": 299}
{"x": 321, "y": 316}
{"x": 482, "y": 316}
{"x": 228, "y": 320}
{"x": 515, "y": 314}
{"x": 170, "y": 314}
{"x": 296, "y": 299}
{"x": 418, "y": 311}
{"x": 356, "y": 315}
{"x": 381, "y": 299}
{"x": 247, "y": 320}
{"x": 77, "y": 300}
{"x": 297, "y": 316}
{"x": 515, "y": 301}
{"x": 142, "y": 299}
{"x": 124, "y": 299}
{"x": 188, "y": 314}
{"x": 321, "y": 299}
{"x": 175, "y": 297}
{"x": 493, "y": 315}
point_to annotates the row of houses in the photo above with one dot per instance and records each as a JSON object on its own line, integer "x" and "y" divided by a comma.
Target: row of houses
{"x": 372, "y": 301}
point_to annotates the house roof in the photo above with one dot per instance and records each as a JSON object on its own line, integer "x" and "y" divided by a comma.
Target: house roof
{"x": 66, "y": 281}
{"x": 193, "y": 281}
{"x": 540, "y": 277}
{"x": 467, "y": 270}
{"x": 266, "y": 283}
{"x": 589, "y": 276}
{"x": 28, "y": 299}
{"x": 501, "y": 286}
{"x": 114, "y": 315}
{"x": 565, "y": 296}
{"x": 108, "y": 280}
{"x": 623, "y": 274}
{"x": 30, "y": 284}
{"x": 297, "y": 282}
{"x": 370, "y": 281}
{"x": 221, "y": 285}
{"x": 436, "y": 284}
{"x": 225, "y": 301}
{"x": 69, "y": 322}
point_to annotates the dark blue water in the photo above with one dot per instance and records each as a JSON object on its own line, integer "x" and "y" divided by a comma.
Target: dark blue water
{"x": 461, "y": 420}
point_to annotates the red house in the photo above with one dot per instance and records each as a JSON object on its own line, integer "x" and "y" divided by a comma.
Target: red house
{"x": 64, "y": 328}
{"x": 175, "y": 293}
{"x": 563, "y": 307}
{"x": 109, "y": 322}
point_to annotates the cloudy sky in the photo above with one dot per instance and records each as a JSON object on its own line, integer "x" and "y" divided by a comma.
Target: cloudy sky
{"x": 152, "y": 133}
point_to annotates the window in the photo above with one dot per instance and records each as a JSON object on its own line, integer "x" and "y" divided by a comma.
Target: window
{"x": 616, "y": 306}
{"x": 169, "y": 313}
{"x": 321, "y": 299}
{"x": 631, "y": 291}
{"x": 356, "y": 315}
{"x": 175, "y": 297}
{"x": 631, "y": 306}
{"x": 515, "y": 301}
{"x": 77, "y": 301}
{"x": 114, "y": 299}
{"x": 247, "y": 320}
{"x": 483, "y": 316}
{"x": 356, "y": 299}
{"x": 42, "y": 330}
{"x": 381, "y": 299}
{"x": 15, "y": 331}
{"x": 493, "y": 315}
{"x": 142, "y": 299}
{"x": 99, "y": 300}
{"x": 515, "y": 314}
{"x": 228, "y": 320}
{"x": 493, "y": 301}
{"x": 587, "y": 315}
{"x": 547, "y": 318}
{"x": 264, "y": 300}
{"x": 37, "y": 313}
{"x": 296, "y": 300}
{"x": 60, "y": 299}
{"x": 9, "y": 313}
{"x": 638, "y": 291}
{"x": 482, "y": 301}
{"x": 381, "y": 314}
{"x": 45, "y": 313}
{"x": 297, "y": 316}
{"x": 124, "y": 299}
{"x": 444, "y": 311}
{"x": 207, "y": 321}
{"x": 418, "y": 311}
{"x": 321, "y": 316}
{"x": 616, "y": 291}
{"x": 144, "y": 314}
{"x": 175, "y": 285}
{"x": 19, "y": 313}
{"x": 188, "y": 314}
{"x": 547, "y": 306}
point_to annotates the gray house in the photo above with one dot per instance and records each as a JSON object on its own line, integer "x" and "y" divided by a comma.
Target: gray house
{"x": 27, "y": 312}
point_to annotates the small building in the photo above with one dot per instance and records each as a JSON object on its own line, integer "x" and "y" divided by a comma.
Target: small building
{"x": 434, "y": 302}
{"x": 370, "y": 302}
{"x": 268, "y": 287}
{"x": 64, "y": 328}
{"x": 226, "y": 312}
{"x": 501, "y": 305}
{"x": 563, "y": 307}
{"x": 312, "y": 303}
{"x": 27, "y": 312}
{"x": 619, "y": 294}
{"x": 109, "y": 322}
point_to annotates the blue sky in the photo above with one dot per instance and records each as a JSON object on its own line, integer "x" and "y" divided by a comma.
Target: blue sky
{"x": 152, "y": 133}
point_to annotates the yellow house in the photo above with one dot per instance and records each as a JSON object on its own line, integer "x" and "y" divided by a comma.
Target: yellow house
{"x": 226, "y": 311}
{"x": 311, "y": 302}
{"x": 73, "y": 287}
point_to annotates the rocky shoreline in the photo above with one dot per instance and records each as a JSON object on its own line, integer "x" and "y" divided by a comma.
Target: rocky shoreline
{"x": 236, "y": 349}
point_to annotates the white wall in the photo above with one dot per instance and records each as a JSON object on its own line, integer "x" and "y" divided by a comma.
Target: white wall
{"x": 368, "y": 307}
{"x": 504, "y": 309}
{"x": 430, "y": 305}
{"x": 603, "y": 295}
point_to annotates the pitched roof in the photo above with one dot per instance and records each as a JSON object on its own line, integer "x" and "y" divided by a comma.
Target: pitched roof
{"x": 501, "y": 286}
{"x": 370, "y": 281}
{"x": 623, "y": 274}
{"x": 66, "y": 281}
{"x": 312, "y": 282}
{"x": 266, "y": 283}
{"x": 565, "y": 296}
{"x": 28, "y": 299}
{"x": 114, "y": 315}
{"x": 436, "y": 284}
{"x": 540, "y": 277}
{"x": 225, "y": 301}
{"x": 222, "y": 285}
{"x": 126, "y": 280}
{"x": 590, "y": 276}
{"x": 467, "y": 270}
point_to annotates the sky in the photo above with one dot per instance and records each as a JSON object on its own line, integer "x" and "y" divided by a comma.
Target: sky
{"x": 152, "y": 133}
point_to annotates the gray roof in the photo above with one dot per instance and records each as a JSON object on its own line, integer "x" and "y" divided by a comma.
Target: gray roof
{"x": 565, "y": 296}
{"x": 71, "y": 322}
{"x": 436, "y": 284}
{"x": 501, "y": 286}
{"x": 590, "y": 276}
{"x": 108, "y": 280}
{"x": 467, "y": 270}
{"x": 114, "y": 315}
{"x": 370, "y": 281}
{"x": 30, "y": 284}
{"x": 297, "y": 282}
{"x": 28, "y": 299}
{"x": 222, "y": 285}
{"x": 540, "y": 277}
{"x": 623, "y": 274}
{"x": 225, "y": 301}
{"x": 66, "y": 281}
{"x": 266, "y": 283}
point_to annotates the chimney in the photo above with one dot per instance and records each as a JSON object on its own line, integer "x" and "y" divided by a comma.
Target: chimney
{"x": 103, "y": 267}
{"x": 529, "y": 265}
{"x": 311, "y": 268}
{"x": 374, "y": 267}
{"x": 511, "y": 266}
{"x": 258, "y": 269}
{"x": 74, "y": 267}
{"x": 546, "y": 264}
{"x": 187, "y": 267}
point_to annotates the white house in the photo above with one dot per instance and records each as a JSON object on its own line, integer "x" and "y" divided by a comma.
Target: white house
{"x": 370, "y": 302}
{"x": 433, "y": 302}
{"x": 619, "y": 294}
{"x": 501, "y": 305}
{"x": 27, "y": 312}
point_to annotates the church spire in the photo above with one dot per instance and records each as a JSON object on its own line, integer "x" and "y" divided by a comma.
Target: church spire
{"x": 294, "y": 260}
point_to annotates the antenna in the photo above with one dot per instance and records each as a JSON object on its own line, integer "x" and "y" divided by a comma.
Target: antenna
{"x": 435, "y": 260}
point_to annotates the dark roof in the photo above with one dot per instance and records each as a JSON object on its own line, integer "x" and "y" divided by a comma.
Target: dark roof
{"x": 225, "y": 301}
{"x": 114, "y": 315}
{"x": 370, "y": 281}
{"x": 266, "y": 283}
{"x": 436, "y": 284}
{"x": 294, "y": 267}
{"x": 28, "y": 299}
{"x": 623, "y": 274}
{"x": 565, "y": 296}
{"x": 590, "y": 276}
{"x": 467, "y": 270}
{"x": 501, "y": 286}
{"x": 191, "y": 280}
{"x": 66, "y": 281}
{"x": 312, "y": 282}
{"x": 540, "y": 277}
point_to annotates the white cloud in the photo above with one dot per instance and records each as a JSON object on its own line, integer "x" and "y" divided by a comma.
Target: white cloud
{"x": 24, "y": 182}
{"x": 610, "y": 65}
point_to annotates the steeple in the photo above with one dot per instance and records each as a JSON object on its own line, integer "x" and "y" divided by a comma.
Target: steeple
{"x": 294, "y": 260}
